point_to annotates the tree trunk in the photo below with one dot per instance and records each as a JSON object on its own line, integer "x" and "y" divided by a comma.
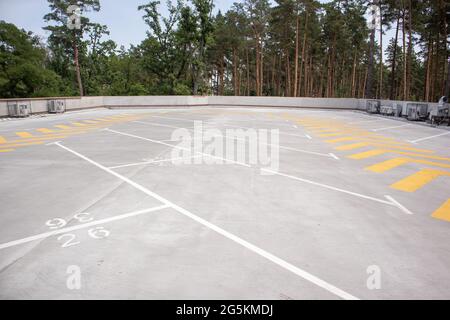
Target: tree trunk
{"x": 369, "y": 82}
{"x": 235, "y": 73}
{"x": 294, "y": 93}
{"x": 381, "y": 54}
{"x": 248, "y": 74}
{"x": 394, "y": 60}
{"x": 405, "y": 65}
{"x": 303, "y": 54}
{"x": 353, "y": 88}
{"x": 410, "y": 49}
{"x": 288, "y": 74}
{"x": 77, "y": 68}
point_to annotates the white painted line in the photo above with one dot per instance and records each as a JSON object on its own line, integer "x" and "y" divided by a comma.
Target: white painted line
{"x": 308, "y": 136}
{"x": 157, "y": 124}
{"x": 180, "y": 119}
{"x": 367, "y": 121}
{"x": 398, "y": 205}
{"x": 428, "y": 138}
{"x": 155, "y": 161}
{"x": 80, "y": 226}
{"x": 280, "y": 262}
{"x": 389, "y": 128}
{"x": 177, "y": 147}
{"x": 334, "y": 156}
{"x": 329, "y": 187}
{"x": 271, "y": 145}
{"x": 327, "y": 155}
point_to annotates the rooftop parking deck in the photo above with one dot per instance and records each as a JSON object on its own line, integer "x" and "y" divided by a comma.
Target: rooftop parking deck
{"x": 106, "y": 191}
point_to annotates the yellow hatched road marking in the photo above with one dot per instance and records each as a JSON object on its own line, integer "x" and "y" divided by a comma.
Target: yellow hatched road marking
{"x": 90, "y": 121}
{"x": 352, "y": 146}
{"x": 394, "y": 163}
{"x": 24, "y": 134}
{"x": 60, "y": 126}
{"x": 367, "y": 154}
{"x": 376, "y": 152}
{"x": 419, "y": 180}
{"x": 47, "y": 137}
{"x": 344, "y": 139}
{"x": 79, "y": 124}
{"x": 23, "y": 144}
{"x": 367, "y": 143}
{"x": 44, "y": 130}
{"x": 6, "y": 150}
{"x": 2, "y": 140}
{"x": 443, "y": 213}
{"x": 359, "y": 135}
{"x": 378, "y": 144}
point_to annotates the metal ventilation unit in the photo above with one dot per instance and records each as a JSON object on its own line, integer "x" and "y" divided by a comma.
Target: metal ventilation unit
{"x": 440, "y": 113}
{"x": 373, "y": 106}
{"x": 56, "y": 106}
{"x": 19, "y": 109}
{"x": 398, "y": 109}
{"x": 417, "y": 111}
{"x": 387, "y": 110}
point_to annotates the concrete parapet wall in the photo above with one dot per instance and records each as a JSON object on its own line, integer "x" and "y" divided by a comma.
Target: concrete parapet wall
{"x": 39, "y": 105}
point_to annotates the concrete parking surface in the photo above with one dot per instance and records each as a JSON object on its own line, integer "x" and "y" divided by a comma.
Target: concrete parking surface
{"x": 359, "y": 207}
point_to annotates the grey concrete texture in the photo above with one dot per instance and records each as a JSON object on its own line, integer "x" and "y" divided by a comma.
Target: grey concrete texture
{"x": 332, "y": 235}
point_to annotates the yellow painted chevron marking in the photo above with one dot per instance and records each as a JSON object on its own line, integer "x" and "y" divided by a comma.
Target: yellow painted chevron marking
{"x": 2, "y": 140}
{"x": 332, "y": 134}
{"x": 24, "y": 134}
{"x": 443, "y": 213}
{"x": 394, "y": 163}
{"x": 6, "y": 150}
{"x": 79, "y": 124}
{"x": 376, "y": 152}
{"x": 90, "y": 121}
{"x": 47, "y": 137}
{"x": 44, "y": 130}
{"x": 345, "y": 139}
{"x": 419, "y": 180}
{"x": 60, "y": 126}
{"x": 23, "y": 144}
{"x": 352, "y": 146}
{"x": 378, "y": 144}
{"x": 367, "y": 154}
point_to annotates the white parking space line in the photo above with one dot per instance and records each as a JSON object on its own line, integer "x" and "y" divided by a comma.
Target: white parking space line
{"x": 389, "y": 128}
{"x": 80, "y": 226}
{"x": 280, "y": 174}
{"x": 174, "y": 146}
{"x": 391, "y": 202}
{"x": 368, "y": 121}
{"x": 154, "y": 161}
{"x": 157, "y": 124}
{"x": 265, "y": 254}
{"x": 400, "y": 206}
{"x": 431, "y": 137}
{"x": 327, "y": 155}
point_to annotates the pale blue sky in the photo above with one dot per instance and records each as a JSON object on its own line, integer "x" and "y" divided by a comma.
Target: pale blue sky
{"x": 123, "y": 19}
{"x": 121, "y": 16}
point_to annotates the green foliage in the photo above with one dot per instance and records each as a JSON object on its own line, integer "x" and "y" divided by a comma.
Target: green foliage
{"x": 22, "y": 65}
{"x": 254, "y": 48}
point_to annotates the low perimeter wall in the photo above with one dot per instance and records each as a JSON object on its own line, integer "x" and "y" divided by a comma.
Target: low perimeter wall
{"x": 39, "y": 105}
